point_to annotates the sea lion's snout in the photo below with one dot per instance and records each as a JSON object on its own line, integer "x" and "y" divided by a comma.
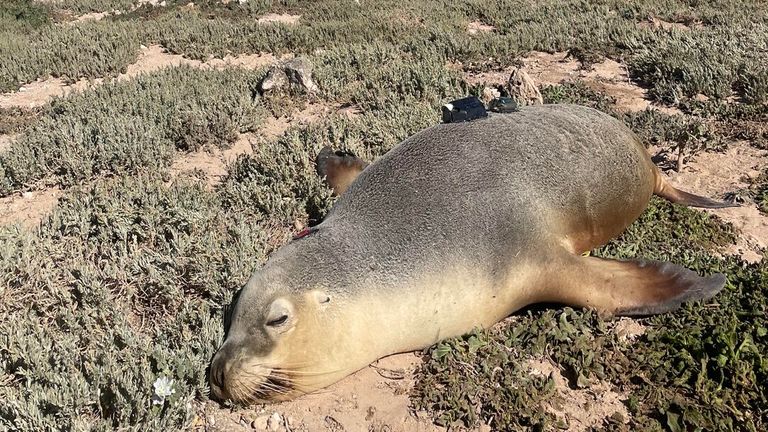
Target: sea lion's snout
{"x": 241, "y": 380}
{"x": 249, "y": 366}
{"x": 283, "y": 342}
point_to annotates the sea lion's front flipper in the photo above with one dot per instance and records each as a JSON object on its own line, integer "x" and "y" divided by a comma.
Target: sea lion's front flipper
{"x": 630, "y": 288}
{"x": 339, "y": 168}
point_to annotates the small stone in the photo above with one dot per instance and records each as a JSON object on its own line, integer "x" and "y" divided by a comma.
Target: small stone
{"x": 261, "y": 423}
{"x": 27, "y": 195}
{"x": 275, "y": 79}
{"x": 522, "y": 89}
{"x": 299, "y": 72}
{"x": 333, "y": 425}
{"x": 275, "y": 422}
{"x": 370, "y": 413}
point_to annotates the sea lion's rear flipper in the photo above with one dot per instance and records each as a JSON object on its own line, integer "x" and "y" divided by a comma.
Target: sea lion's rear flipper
{"x": 666, "y": 190}
{"x": 631, "y": 288}
{"x": 339, "y": 168}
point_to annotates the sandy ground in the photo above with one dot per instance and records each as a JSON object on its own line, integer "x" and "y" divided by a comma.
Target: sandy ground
{"x": 150, "y": 59}
{"x": 476, "y": 27}
{"x": 213, "y": 163}
{"x": 373, "y": 399}
{"x": 28, "y": 208}
{"x": 607, "y": 76}
{"x": 5, "y": 142}
{"x": 658, "y": 23}
{"x": 279, "y": 18}
{"x": 582, "y": 409}
{"x": 717, "y": 174}
{"x": 376, "y": 398}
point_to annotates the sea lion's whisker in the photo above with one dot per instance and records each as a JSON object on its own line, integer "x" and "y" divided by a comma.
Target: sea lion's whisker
{"x": 303, "y": 372}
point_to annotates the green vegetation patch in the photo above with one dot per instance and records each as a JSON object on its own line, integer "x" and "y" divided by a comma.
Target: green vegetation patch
{"x": 126, "y": 281}
{"x": 90, "y": 49}
{"x": 716, "y": 55}
{"x": 23, "y": 15}
{"x": 15, "y": 120}
{"x": 86, "y": 6}
{"x": 124, "y": 284}
{"x": 760, "y": 191}
{"x": 127, "y": 126}
{"x": 699, "y": 368}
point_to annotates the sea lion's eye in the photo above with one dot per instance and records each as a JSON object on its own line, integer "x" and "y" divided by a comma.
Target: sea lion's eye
{"x": 278, "y": 321}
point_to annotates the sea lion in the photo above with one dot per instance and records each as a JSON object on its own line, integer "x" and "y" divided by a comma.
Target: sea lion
{"x": 456, "y": 227}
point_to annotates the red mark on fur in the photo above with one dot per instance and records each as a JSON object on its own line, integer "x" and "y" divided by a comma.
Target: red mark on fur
{"x": 303, "y": 233}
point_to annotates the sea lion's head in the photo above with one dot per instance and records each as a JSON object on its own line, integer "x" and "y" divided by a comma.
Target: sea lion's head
{"x": 278, "y": 344}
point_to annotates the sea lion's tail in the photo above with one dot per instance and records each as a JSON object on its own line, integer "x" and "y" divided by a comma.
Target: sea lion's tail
{"x": 669, "y": 192}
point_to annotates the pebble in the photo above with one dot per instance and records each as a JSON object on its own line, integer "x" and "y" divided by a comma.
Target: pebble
{"x": 275, "y": 422}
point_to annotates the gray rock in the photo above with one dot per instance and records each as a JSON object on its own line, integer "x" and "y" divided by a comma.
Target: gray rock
{"x": 296, "y": 73}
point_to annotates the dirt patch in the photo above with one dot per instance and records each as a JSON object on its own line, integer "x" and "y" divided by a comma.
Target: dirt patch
{"x": 279, "y": 18}
{"x": 582, "y": 409}
{"x": 608, "y": 76}
{"x": 151, "y": 59}
{"x": 544, "y": 68}
{"x": 612, "y": 78}
{"x": 476, "y": 27}
{"x": 64, "y": 17}
{"x": 373, "y": 399}
{"x": 213, "y": 162}
{"x": 5, "y": 142}
{"x": 658, "y": 23}
{"x": 716, "y": 174}
{"x": 627, "y": 330}
{"x": 29, "y": 208}
{"x": 93, "y": 16}
{"x": 274, "y": 127}
{"x": 140, "y": 3}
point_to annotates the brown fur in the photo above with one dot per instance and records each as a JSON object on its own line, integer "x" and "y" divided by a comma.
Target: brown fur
{"x": 456, "y": 227}
{"x": 339, "y": 169}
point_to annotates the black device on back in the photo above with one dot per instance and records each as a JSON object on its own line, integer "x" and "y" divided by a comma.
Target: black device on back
{"x": 465, "y": 109}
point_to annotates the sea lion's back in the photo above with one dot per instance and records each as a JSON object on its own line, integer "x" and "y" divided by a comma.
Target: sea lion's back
{"x": 488, "y": 184}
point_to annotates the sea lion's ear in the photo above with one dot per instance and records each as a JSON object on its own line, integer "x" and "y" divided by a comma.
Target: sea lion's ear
{"x": 339, "y": 168}
{"x": 321, "y": 297}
